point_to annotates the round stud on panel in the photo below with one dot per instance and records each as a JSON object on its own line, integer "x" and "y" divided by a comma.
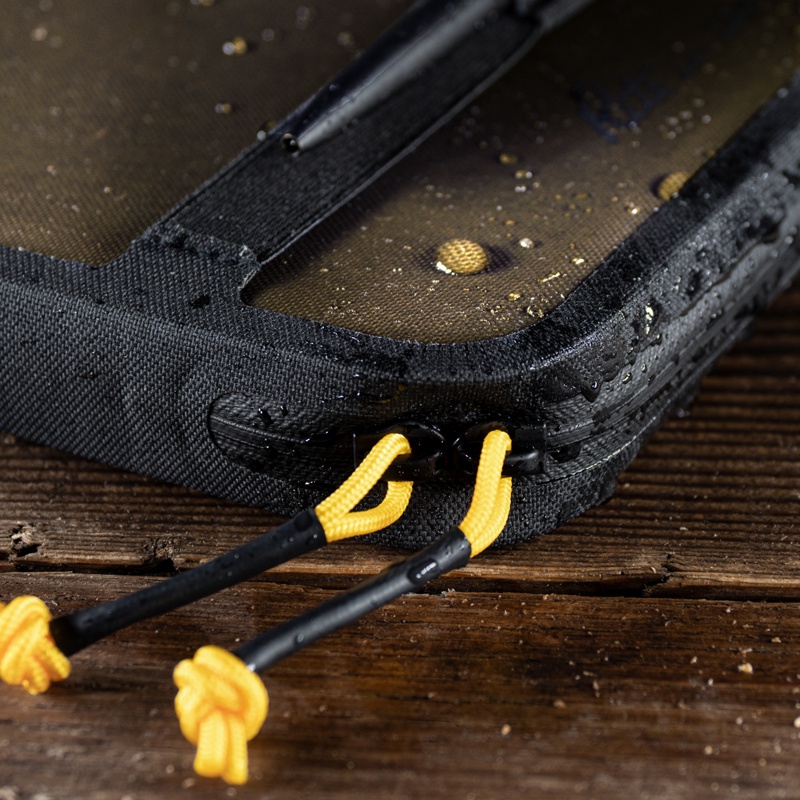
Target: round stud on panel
{"x": 461, "y": 257}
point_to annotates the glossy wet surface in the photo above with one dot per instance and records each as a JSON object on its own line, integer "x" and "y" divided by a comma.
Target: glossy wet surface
{"x": 647, "y": 650}
{"x": 110, "y": 119}
{"x": 547, "y": 172}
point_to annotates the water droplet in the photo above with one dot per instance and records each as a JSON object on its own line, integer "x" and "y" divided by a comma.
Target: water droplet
{"x": 235, "y": 47}
{"x": 551, "y": 277}
{"x": 632, "y": 209}
{"x": 649, "y": 316}
{"x": 223, "y": 108}
{"x": 39, "y": 34}
{"x": 526, "y": 243}
{"x": 535, "y": 312}
{"x": 578, "y": 261}
{"x": 346, "y": 39}
{"x": 628, "y": 377}
{"x": 514, "y": 296}
{"x": 592, "y": 391}
{"x": 265, "y": 129}
{"x": 506, "y": 159}
{"x": 671, "y": 184}
{"x": 461, "y": 257}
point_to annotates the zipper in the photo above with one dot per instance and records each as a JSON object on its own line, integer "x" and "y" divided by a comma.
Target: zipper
{"x": 241, "y": 429}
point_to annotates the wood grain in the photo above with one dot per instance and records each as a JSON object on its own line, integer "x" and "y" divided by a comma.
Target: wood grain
{"x": 450, "y": 693}
{"x": 605, "y": 660}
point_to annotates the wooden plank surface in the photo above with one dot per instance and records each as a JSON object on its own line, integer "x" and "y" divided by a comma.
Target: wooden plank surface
{"x": 605, "y": 660}
{"x": 453, "y": 694}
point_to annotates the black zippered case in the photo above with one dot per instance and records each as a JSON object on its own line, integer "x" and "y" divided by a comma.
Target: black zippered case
{"x": 155, "y": 364}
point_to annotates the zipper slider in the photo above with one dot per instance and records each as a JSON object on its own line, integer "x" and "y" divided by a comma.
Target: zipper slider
{"x": 528, "y": 446}
{"x": 427, "y": 457}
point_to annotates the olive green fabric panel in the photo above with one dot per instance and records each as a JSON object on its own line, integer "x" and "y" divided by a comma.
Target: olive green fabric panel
{"x": 544, "y": 176}
{"x": 112, "y": 112}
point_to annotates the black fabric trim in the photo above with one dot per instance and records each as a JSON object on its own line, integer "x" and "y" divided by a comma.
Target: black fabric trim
{"x": 121, "y": 363}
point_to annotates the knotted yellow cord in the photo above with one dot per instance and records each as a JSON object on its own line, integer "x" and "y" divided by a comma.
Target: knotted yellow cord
{"x": 336, "y": 514}
{"x": 221, "y": 705}
{"x": 28, "y": 654}
{"x": 491, "y": 499}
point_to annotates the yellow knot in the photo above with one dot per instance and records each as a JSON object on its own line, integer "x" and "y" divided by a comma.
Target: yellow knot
{"x": 28, "y": 655}
{"x": 221, "y": 705}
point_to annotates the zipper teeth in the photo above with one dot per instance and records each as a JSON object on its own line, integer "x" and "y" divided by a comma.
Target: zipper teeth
{"x": 265, "y": 446}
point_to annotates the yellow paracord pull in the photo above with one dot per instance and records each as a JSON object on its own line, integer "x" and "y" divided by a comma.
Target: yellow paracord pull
{"x": 336, "y": 514}
{"x": 221, "y": 705}
{"x": 28, "y": 654}
{"x": 200, "y": 693}
{"x": 491, "y": 500}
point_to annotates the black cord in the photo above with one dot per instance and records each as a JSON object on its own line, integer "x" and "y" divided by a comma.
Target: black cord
{"x": 448, "y": 552}
{"x": 301, "y": 534}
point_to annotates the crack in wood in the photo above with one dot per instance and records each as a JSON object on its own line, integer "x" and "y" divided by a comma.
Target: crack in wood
{"x": 158, "y": 556}
{"x": 26, "y": 539}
